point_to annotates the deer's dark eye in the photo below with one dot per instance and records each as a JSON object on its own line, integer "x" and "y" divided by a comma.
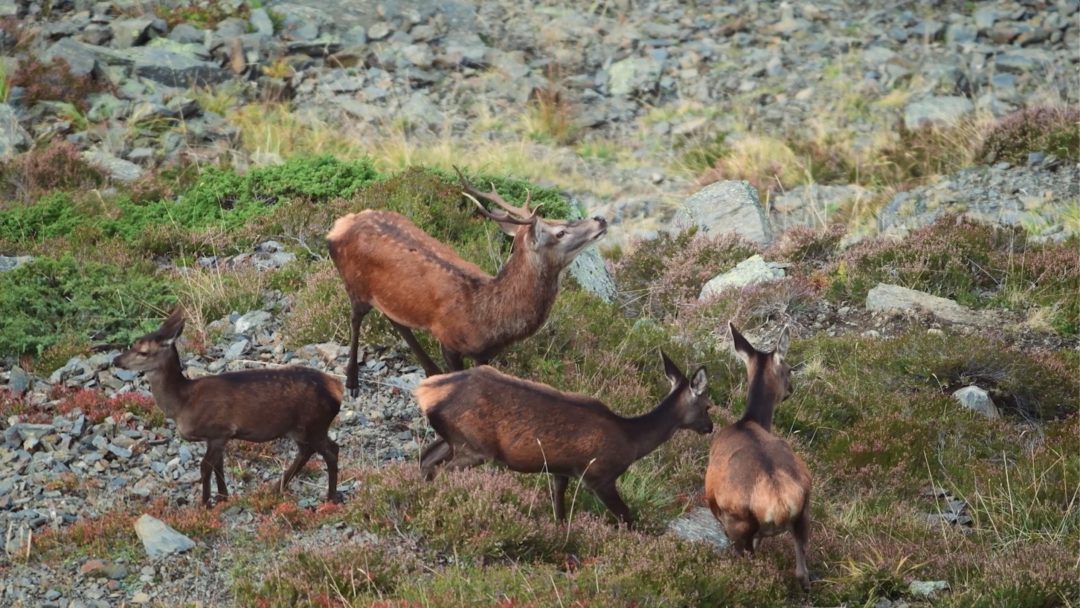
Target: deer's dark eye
{"x": 560, "y": 234}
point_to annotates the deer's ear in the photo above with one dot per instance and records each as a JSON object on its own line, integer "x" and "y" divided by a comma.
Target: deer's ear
{"x": 699, "y": 382}
{"x": 742, "y": 346}
{"x": 172, "y": 327}
{"x": 672, "y": 371}
{"x": 782, "y": 344}
{"x": 508, "y": 228}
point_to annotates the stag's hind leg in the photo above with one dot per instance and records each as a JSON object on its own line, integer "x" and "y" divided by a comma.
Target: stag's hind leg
{"x": 421, "y": 355}
{"x": 609, "y": 495}
{"x": 329, "y": 452}
{"x": 303, "y": 454}
{"x": 800, "y": 531}
{"x": 352, "y": 382}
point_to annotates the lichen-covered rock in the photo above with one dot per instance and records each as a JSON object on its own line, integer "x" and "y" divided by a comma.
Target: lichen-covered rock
{"x": 726, "y": 206}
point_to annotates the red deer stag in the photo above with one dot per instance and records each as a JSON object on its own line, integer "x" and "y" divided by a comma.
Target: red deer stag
{"x": 481, "y": 414}
{"x": 756, "y": 485}
{"x": 252, "y": 405}
{"x": 419, "y": 283}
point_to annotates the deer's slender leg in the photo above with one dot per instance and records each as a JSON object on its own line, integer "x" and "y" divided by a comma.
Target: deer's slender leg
{"x": 558, "y": 495}
{"x": 609, "y": 495}
{"x": 329, "y": 451}
{"x": 219, "y": 474}
{"x": 454, "y": 362}
{"x": 425, "y": 361}
{"x": 303, "y": 454}
{"x": 801, "y": 533}
{"x": 352, "y": 382}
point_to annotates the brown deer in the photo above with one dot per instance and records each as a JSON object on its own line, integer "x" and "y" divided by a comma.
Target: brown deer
{"x": 252, "y": 405}
{"x": 419, "y": 283}
{"x": 755, "y": 485}
{"x": 482, "y": 414}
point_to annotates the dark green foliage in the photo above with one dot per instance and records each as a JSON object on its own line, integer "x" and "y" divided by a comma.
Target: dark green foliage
{"x": 47, "y": 298}
{"x": 1048, "y": 129}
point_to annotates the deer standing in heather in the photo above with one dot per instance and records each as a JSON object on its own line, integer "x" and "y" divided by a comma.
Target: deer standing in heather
{"x": 418, "y": 282}
{"x": 755, "y": 485}
{"x": 482, "y": 414}
{"x": 252, "y": 405}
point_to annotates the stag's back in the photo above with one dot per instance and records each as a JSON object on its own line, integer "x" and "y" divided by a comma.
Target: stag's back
{"x": 386, "y": 261}
{"x": 530, "y": 427}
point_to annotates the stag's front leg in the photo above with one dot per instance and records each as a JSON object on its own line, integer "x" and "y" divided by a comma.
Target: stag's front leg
{"x": 454, "y": 362}
{"x": 425, "y": 361}
{"x": 352, "y": 382}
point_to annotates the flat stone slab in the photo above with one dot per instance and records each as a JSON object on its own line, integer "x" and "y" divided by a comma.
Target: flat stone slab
{"x": 699, "y": 526}
{"x": 885, "y": 297}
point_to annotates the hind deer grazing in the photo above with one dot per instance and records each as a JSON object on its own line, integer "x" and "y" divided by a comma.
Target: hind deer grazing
{"x": 252, "y": 405}
{"x": 482, "y": 414}
{"x": 419, "y": 283}
{"x": 756, "y": 486}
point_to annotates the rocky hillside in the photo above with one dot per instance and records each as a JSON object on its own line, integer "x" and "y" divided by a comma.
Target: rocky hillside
{"x": 898, "y": 183}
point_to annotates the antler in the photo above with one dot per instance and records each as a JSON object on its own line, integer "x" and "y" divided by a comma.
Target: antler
{"x": 515, "y": 215}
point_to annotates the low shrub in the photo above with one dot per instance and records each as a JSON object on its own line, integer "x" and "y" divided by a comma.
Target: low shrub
{"x": 48, "y": 298}
{"x": 54, "y": 82}
{"x": 57, "y": 166}
{"x": 1049, "y": 129}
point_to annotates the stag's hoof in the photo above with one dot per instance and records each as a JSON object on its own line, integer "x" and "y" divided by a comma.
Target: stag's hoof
{"x": 354, "y": 391}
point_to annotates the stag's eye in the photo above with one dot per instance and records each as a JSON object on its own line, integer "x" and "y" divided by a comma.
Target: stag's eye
{"x": 560, "y": 234}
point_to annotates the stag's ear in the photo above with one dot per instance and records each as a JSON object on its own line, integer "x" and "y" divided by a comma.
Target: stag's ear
{"x": 509, "y": 229}
{"x": 782, "y": 344}
{"x": 699, "y": 382}
{"x": 742, "y": 346}
{"x": 674, "y": 374}
{"x": 171, "y": 329}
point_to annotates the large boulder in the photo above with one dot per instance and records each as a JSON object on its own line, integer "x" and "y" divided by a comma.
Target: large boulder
{"x": 726, "y": 206}
{"x": 750, "y": 271}
{"x": 885, "y": 297}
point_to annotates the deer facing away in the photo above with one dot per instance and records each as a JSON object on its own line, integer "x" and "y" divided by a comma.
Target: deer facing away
{"x": 755, "y": 485}
{"x": 252, "y": 405}
{"x": 482, "y": 414}
{"x": 418, "y": 282}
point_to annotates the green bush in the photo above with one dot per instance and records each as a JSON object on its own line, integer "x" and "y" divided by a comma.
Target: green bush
{"x": 47, "y": 298}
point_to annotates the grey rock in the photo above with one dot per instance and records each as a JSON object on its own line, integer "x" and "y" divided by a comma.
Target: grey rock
{"x": 379, "y": 31}
{"x": 1016, "y": 63}
{"x": 316, "y": 47}
{"x": 174, "y": 69}
{"x": 927, "y": 589}
{"x": 260, "y": 20}
{"x": 113, "y": 166}
{"x": 186, "y": 33}
{"x": 985, "y": 16}
{"x": 726, "y": 206}
{"x": 13, "y": 138}
{"x": 591, "y": 273}
{"x": 419, "y": 55}
{"x": 105, "y": 106}
{"x": 750, "y": 271}
{"x": 960, "y": 33}
{"x": 978, "y": 400}
{"x": 81, "y": 58}
{"x": 236, "y": 349}
{"x": 131, "y": 32}
{"x": 12, "y": 262}
{"x": 252, "y": 320}
{"x": 634, "y": 76}
{"x": 9, "y": 8}
{"x": 699, "y": 525}
{"x": 885, "y": 297}
{"x": 159, "y": 539}
{"x": 945, "y": 110}
{"x": 19, "y": 381}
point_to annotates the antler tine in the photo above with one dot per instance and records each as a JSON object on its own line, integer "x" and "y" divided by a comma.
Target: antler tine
{"x": 493, "y": 196}
{"x": 504, "y": 217}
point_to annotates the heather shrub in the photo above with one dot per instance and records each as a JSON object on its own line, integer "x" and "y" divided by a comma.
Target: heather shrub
{"x": 806, "y": 248}
{"x": 54, "y": 82}
{"x": 57, "y": 166}
{"x": 1050, "y": 129}
{"x": 660, "y": 276}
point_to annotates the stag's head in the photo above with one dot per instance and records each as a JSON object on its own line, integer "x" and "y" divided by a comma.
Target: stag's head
{"x": 772, "y": 367}
{"x": 556, "y": 241}
{"x": 154, "y": 349}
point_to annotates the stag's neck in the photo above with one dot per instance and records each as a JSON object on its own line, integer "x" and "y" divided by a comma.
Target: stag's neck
{"x": 169, "y": 385}
{"x": 517, "y": 301}
{"x": 650, "y": 430}
{"x": 761, "y": 400}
